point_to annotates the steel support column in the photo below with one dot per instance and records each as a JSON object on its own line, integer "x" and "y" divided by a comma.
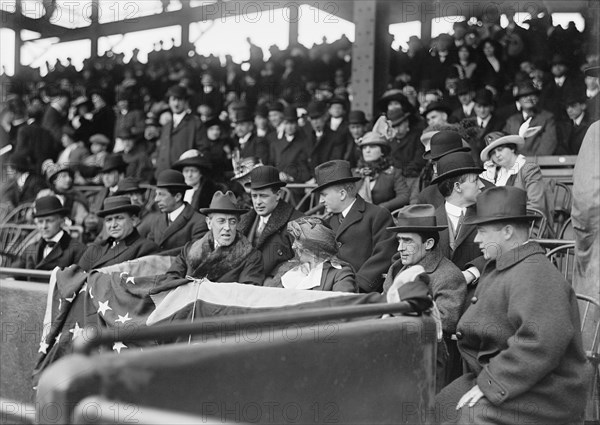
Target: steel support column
{"x": 370, "y": 53}
{"x": 293, "y": 22}
{"x": 18, "y": 41}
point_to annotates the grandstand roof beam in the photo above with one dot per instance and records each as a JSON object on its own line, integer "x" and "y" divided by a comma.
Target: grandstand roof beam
{"x": 17, "y": 21}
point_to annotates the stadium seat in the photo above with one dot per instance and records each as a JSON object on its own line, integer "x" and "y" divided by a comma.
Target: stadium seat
{"x": 563, "y": 257}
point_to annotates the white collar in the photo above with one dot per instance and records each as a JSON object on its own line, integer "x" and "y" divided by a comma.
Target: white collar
{"x": 347, "y": 209}
{"x": 578, "y": 119}
{"x": 177, "y": 118}
{"x": 245, "y": 139}
{"x": 560, "y": 80}
{"x": 454, "y": 210}
{"x": 56, "y": 238}
{"x": 289, "y": 138}
{"x": 484, "y": 121}
{"x": 468, "y": 108}
{"x": 264, "y": 219}
{"x": 22, "y": 179}
{"x": 175, "y": 213}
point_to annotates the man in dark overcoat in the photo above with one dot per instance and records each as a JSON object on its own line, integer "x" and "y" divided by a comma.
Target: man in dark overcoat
{"x": 520, "y": 338}
{"x": 124, "y": 243}
{"x": 265, "y": 225}
{"x": 360, "y": 227}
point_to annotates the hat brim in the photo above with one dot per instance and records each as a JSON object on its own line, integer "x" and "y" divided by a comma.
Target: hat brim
{"x": 494, "y": 219}
{"x": 267, "y": 185}
{"x": 383, "y": 101}
{"x": 52, "y": 176}
{"x": 457, "y": 172}
{"x": 335, "y": 182}
{"x": 207, "y": 211}
{"x": 411, "y": 229}
{"x": 189, "y": 162}
{"x": 526, "y": 93}
{"x": 173, "y": 186}
{"x": 437, "y": 108}
{"x": 133, "y": 209}
{"x": 59, "y": 211}
{"x": 427, "y": 155}
{"x": 505, "y": 140}
{"x": 593, "y": 71}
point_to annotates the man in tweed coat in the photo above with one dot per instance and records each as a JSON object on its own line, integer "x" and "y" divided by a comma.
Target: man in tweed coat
{"x": 520, "y": 338}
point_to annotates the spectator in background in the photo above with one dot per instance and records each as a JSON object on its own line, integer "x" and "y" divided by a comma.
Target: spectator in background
{"x": 534, "y": 124}
{"x": 103, "y": 120}
{"x": 197, "y": 173}
{"x": 135, "y": 155}
{"x": 247, "y": 142}
{"x": 465, "y": 94}
{"x": 572, "y": 130}
{"x": 406, "y": 152}
{"x": 324, "y": 143}
{"x": 74, "y": 151}
{"x": 55, "y": 116}
{"x": 485, "y": 118}
{"x": 128, "y": 120}
{"x": 81, "y": 118}
{"x": 437, "y": 113}
{"x": 562, "y": 84}
{"x": 219, "y": 148}
{"x": 91, "y": 165}
{"x": 23, "y": 184}
{"x": 357, "y": 127}
{"x": 465, "y": 65}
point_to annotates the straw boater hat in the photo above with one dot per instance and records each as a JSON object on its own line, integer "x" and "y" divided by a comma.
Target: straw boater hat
{"x": 502, "y": 203}
{"x": 265, "y": 176}
{"x": 498, "y": 138}
{"x": 117, "y": 204}
{"x": 51, "y": 170}
{"x": 48, "y": 205}
{"x": 224, "y": 203}
{"x": 445, "y": 142}
{"x": 456, "y": 164}
{"x": 333, "y": 172}
{"x": 416, "y": 218}
{"x": 193, "y": 158}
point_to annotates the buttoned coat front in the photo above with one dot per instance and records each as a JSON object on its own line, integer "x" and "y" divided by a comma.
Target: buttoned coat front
{"x": 521, "y": 341}
{"x": 175, "y": 141}
{"x": 364, "y": 242}
{"x": 465, "y": 249}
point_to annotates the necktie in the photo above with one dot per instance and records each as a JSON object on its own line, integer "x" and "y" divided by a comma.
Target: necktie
{"x": 168, "y": 220}
{"x": 340, "y": 218}
{"x": 50, "y": 244}
{"x": 461, "y": 219}
{"x": 260, "y": 228}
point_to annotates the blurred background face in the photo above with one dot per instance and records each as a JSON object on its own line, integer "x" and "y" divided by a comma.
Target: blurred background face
{"x": 528, "y": 102}
{"x": 261, "y": 122}
{"x": 243, "y": 128}
{"x": 401, "y": 129}
{"x": 177, "y": 104}
{"x": 463, "y": 54}
{"x": 165, "y": 201}
{"x": 264, "y": 201}
{"x": 213, "y": 132}
{"x": 575, "y": 109}
{"x": 119, "y": 225}
{"x": 110, "y": 178}
{"x": 393, "y": 105}
{"x": 63, "y": 181}
{"x": 371, "y": 153}
{"x": 482, "y": 111}
{"x": 205, "y": 112}
{"x": 488, "y": 49}
{"x": 137, "y": 198}
{"x": 223, "y": 228}
{"x": 290, "y": 128}
{"x": 336, "y": 110}
{"x": 275, "y": 118}
{"x": 191, "y": 175}
{"x": 318, "y": 124}
{"x": 49, "y": 226}
{"x": 437, "y": 117}
{"x": 357, "y": 130}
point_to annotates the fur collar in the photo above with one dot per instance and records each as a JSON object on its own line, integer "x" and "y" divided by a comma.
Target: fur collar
{"x": 204, "y": 261}
{"x": 278, "y": 221}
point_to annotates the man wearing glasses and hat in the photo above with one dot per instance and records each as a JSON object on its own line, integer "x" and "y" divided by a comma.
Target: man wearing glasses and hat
{"x": 181, "y": 134}
{"x": 520, "y": 337}
{"x": 223, "y": 254}
{"x": 177, "y": 222}
{"x": 417, "y": 232}
{"x": 55, "y": 248}
{"x": 124, "y": 242}
{"x": 265, "y": 225}
{"x": 360, "y": 227}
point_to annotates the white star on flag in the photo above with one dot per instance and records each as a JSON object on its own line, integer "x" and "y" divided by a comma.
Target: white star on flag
{"x": 118, "y": 346}
{"x": 83, "y": 288}
{"x": 130, "y": 279}
{"x": 72, "y": 298}
{"x": 103, "y": 306}
{"x": 43, "y": 347}
{"x": 123, "y": 319}
{"x": 58, "y": 338}
{"x": 76, "y": 331}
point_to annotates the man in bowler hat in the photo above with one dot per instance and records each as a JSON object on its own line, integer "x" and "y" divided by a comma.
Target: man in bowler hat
{"x": 360, "y": 227}
{"x": 55, "y": 248}
{"x": 124, "y": 243}
{"x": 177, "y": 222}
{"x": 247, "y": 143}
{"x": 520, "y": 338}
{"x": 265, "y": 225}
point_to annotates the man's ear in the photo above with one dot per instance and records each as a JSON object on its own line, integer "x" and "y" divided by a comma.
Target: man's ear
{"x": 429, "y": 243}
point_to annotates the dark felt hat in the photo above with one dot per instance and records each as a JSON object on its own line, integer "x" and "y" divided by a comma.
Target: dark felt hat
{"x": 224, "y": 203}
{"x": 213, "y": 121}
{"x": 193, "y": 158}
{"x": 178, "y": 92}
{"x": 117, "y": 204}
{"x": 575, "y": 96}
{"x": 397, "y": 117}
{"x": 502, "y": 203}
{"x": 275, "y": 106}
{"x": 525, "y": 88}
{"x": 456, "y": 164}
{"x": 316, "y": 109}
{"x": 262, "y": 110}
{"x": 389, "y": 95}
{"x": 243, "y": 115}
{"x": 484, "y": 97}
{"x": 558, "y": 59}
{"x": 416, "y": 218}
{"x": 437, "y": 106}
{"x": 498, "y": 138}
{"x": 337, "y": 99}
{"x": 445, "y": 142}
{"x": 357, "y": 117}
{"x": 129, "y": 185}
{"x": 265, "y": 176}
{"x": 463, "y": 87}
{"x": 171, "y": 179}
{"x": 290, "y": 113}
{"x": 48, "y": 205}
{"x": 114, "y": 162}
{"x": 333, "y": 172}
{"x": 592, "y": 71}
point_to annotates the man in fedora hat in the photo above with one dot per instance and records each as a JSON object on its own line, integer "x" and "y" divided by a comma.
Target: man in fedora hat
{"x": 437, "y": 113}
{"x": 325, "y": 143}
{"x": 572, "y": 129}
{"x": 183, "y": 133}
{"x": 130, "y": 187}
{"x": 466, "y": 95}
{"x": 537, "y": 126}
{"x": 247, "y": 142}
{"x": 55, "y": 116}
{"x": 360, "y": 227}
{"x": 564, "y": 82}
{"x": 290, "y": 152}
{"x": 357, "y": 127}
{"x": 196, "y": 169}
{"x": 55, "y": 248}
{"x": 177, "y": 223}
{"x": 418, "y": 238}
{"x": 520, "y": 338}
{"x": 223, "y": 254}
{"x": 124, "y": 243}
{"x": 265, "y": 225}
{"x": 485, "y": 118}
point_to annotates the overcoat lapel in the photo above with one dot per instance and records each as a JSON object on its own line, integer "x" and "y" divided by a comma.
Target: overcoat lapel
{"x": 354, "y": 215}
{"x": 177, "y": 225}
